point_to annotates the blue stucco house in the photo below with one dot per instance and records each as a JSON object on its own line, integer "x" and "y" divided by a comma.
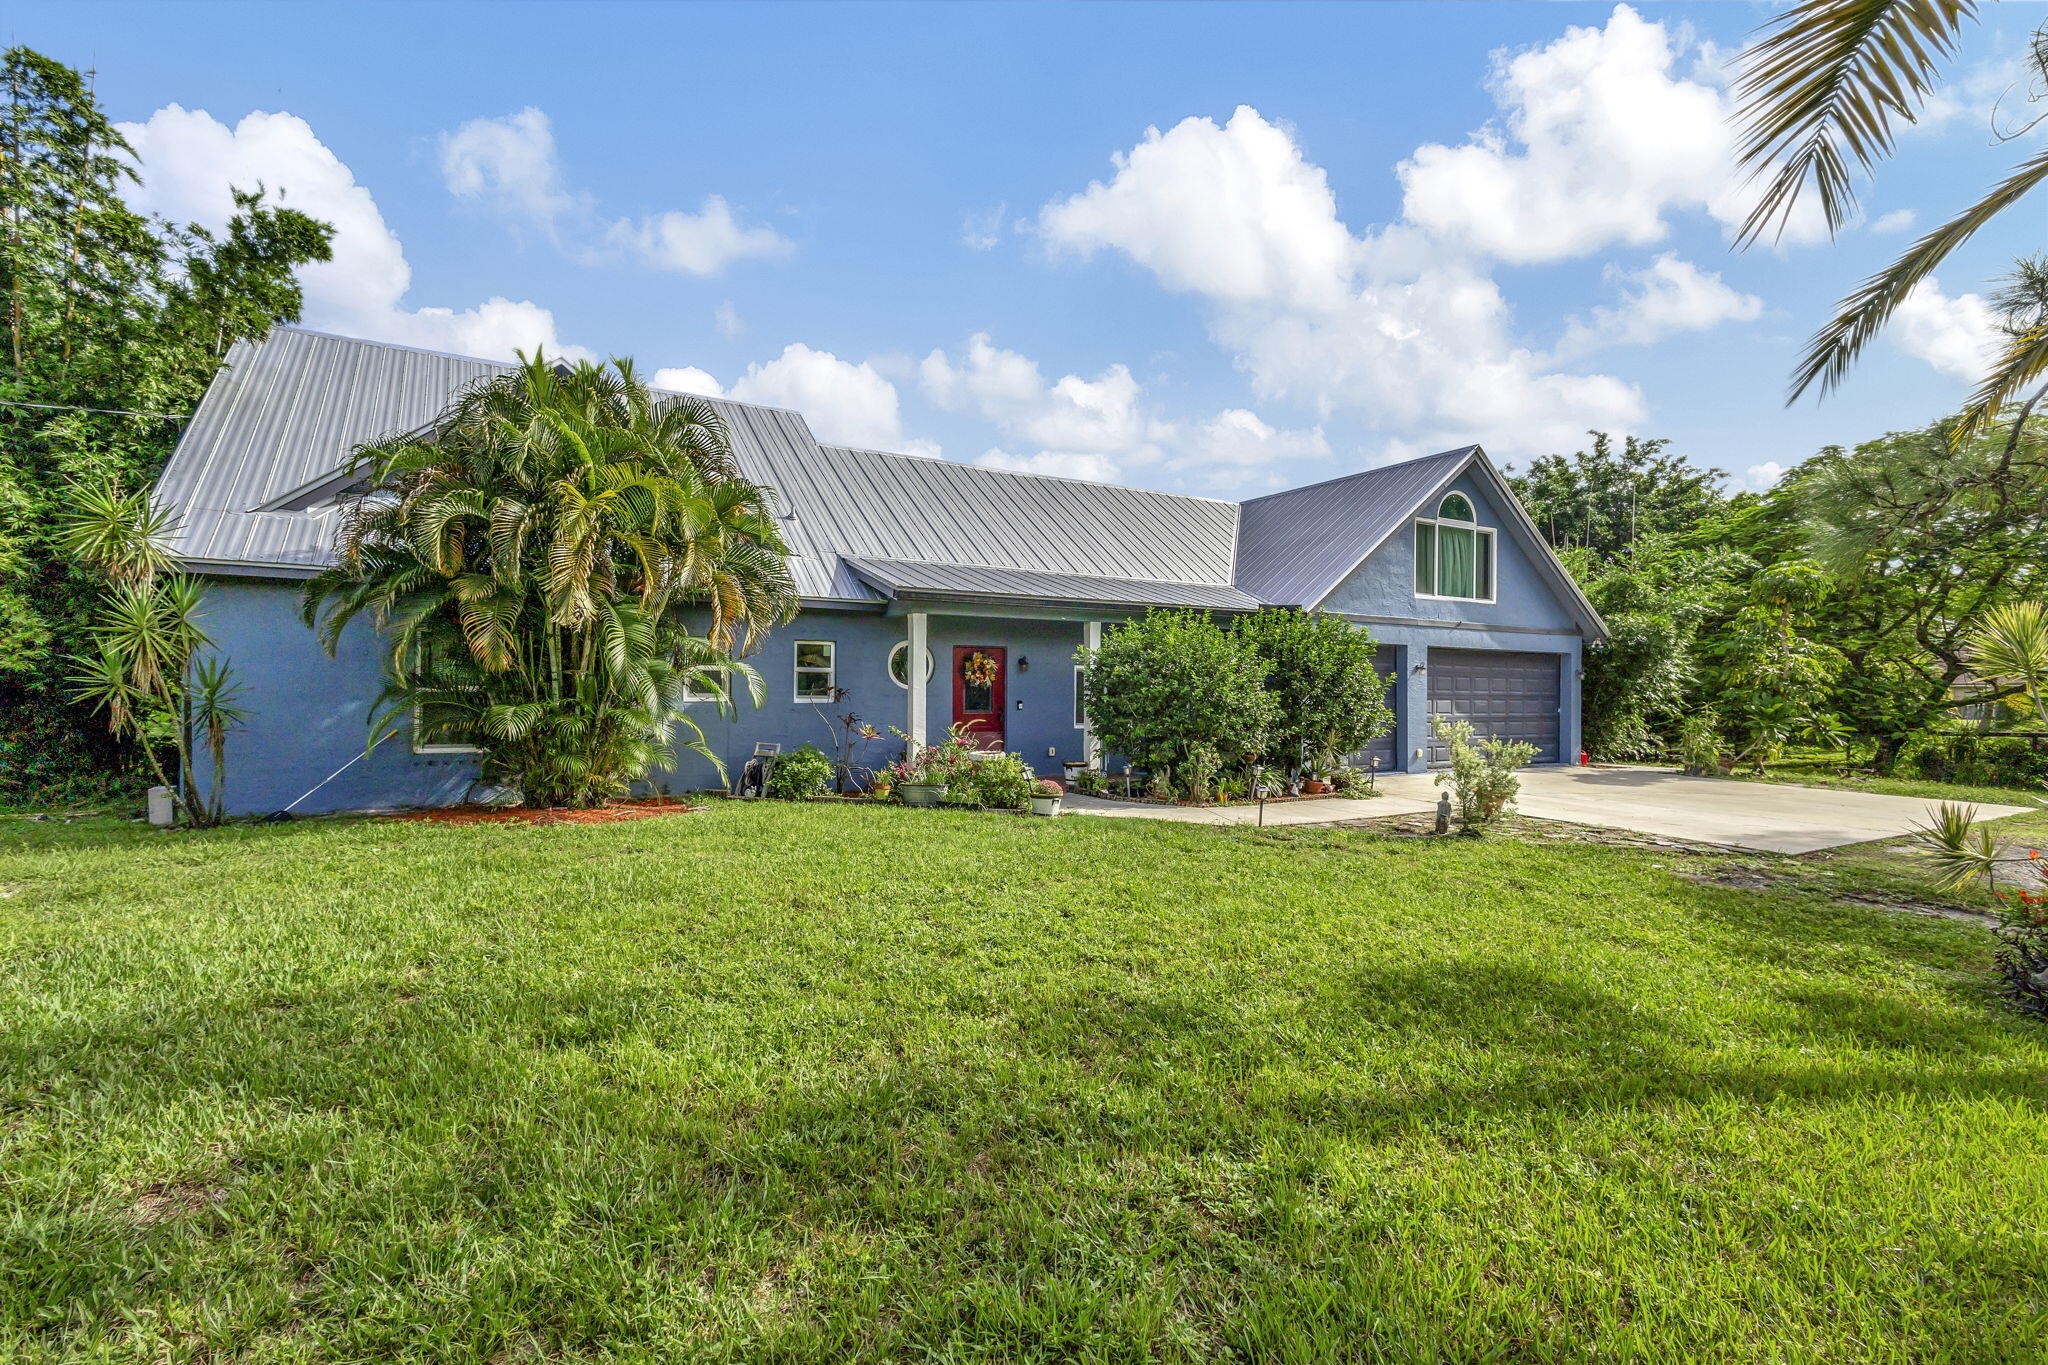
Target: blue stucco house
{"x": 907, "y": 566}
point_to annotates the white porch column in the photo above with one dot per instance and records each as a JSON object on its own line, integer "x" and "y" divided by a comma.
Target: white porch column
{"x": 913, "y": 669}
{"x": 1091, "y": 747}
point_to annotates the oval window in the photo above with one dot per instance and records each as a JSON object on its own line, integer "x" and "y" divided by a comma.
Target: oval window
{"x": 1456, "y": 507}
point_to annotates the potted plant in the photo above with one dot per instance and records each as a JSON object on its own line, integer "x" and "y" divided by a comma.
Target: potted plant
{"x": 926, "y": 773}
{"x": 1045, "y": 797}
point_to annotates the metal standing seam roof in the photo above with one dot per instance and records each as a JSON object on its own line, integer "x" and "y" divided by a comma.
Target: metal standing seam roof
{"x": 1294, "y": 547}
{"x": 284, "y": 415}
{"x": 897, "y": 577}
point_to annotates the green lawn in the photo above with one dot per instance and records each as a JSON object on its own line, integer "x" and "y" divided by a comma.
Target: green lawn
{"x": 822, "y": 1082}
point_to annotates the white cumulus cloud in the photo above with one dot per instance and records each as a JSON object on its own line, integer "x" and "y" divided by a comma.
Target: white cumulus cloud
{"x": 510, "y": 165}
{"x": 845, "y": 403}
{"x": 1100, "y": 415}
{"x": 1065, "y": 464}
{"x": 687, "y": 379}
{"x": 1603, "y": 135}
{"x": 701, "y": 243}
{"x": 1096, "y": 428}
{"x": 1898, "y": 220}
{"x": 1235, "y": 213}
{"x": 1666, "y": 297}
{"x": 191, "y": 160}
{"x": 1958, "y": 336}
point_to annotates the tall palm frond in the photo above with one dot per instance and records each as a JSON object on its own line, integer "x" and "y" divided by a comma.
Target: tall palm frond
{"x": 1827, "y": 87}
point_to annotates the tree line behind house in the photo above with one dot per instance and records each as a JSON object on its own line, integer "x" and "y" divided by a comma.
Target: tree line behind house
{"x": 1847, "y": 607}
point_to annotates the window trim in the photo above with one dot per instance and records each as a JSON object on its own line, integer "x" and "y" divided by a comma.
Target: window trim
{"x": 1492, "y": 563}
{"x": 1080, "y": 698}
{"x": 412, "y": 738}
{"x": 692, "y": 695}
{"x": 889, "y": 664}
{"x": 797, "y": 671}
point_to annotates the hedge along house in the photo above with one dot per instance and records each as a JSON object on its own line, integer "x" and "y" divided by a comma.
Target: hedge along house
{"x": 934, "y": 592}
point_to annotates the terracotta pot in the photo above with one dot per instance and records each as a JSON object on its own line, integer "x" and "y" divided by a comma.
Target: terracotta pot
{"x": 1315, "y": 788}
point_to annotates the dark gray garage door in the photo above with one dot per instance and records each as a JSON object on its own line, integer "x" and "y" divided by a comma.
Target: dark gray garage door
{"x": 1383, "y": 747}
{"x": 1513, "y": 696}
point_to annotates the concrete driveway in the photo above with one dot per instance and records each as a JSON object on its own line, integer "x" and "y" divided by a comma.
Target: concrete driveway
{"x": 1768, "y": 816}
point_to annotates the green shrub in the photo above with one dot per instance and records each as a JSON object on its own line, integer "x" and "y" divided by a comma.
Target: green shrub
{"x": 1002, "y": 782}
{"x": 806, "y": 772}
{"x": 1319, "y": 671}
{"x": 1171, "y": 680}
{"x": 1091, "y": 782}
{"x": 1980, "y": 760}
{"x": 1481, "y": 776}
{"x": 1200, "y": 772}
{"x": 1699, "y": 743}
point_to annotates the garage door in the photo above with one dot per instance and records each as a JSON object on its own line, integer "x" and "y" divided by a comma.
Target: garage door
{"x": 1513, "y": 696}
{"x": 1383, "y": 747}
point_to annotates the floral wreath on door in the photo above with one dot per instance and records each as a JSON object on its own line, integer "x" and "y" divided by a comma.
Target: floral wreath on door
{"x": 978, "y": 669}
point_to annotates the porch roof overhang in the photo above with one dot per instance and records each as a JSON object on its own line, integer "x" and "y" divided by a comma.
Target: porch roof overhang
{"x": 990, "y": 587}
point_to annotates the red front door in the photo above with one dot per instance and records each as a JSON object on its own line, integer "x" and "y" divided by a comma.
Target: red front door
{"x": 978, "y": 677}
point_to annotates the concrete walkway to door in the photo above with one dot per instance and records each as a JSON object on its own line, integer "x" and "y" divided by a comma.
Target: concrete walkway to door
{"x": 1768, "y": 816}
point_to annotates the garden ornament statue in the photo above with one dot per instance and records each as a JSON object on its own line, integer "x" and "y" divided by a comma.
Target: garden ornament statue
{"x": 1443, "y": 813}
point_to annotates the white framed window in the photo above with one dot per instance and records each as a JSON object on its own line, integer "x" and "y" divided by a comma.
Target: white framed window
{"x": 1456, "y": 559}
{"x": 1080, "y": 697}
{"x": 700, "y": 688}
{"x": 438, "y": 746}
{"x": 816, "y": 673}
{"x": 899, "y": 665}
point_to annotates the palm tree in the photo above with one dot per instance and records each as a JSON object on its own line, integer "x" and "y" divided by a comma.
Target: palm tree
{"x": 529, "y": 556}
{"x": 1826, "y": 88}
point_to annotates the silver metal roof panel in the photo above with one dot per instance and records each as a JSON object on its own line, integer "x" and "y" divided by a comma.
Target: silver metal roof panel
{"x": 897, "y": 577}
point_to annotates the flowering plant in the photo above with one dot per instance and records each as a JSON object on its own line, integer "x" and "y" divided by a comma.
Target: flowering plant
{"x": 949, "y": 764}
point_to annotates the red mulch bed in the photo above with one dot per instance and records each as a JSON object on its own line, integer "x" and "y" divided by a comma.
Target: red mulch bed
{"x": 520, "y": 815}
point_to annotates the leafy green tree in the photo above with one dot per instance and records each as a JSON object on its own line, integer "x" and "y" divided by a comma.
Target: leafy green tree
{"x": 1603, "y": 499}
{"x": 114, "y": 324}
{"x": 1922, "y": 535}
{"x": 1656, "y": 596}
{"x": 1763, "y": 666}
{"x": 1319, "y": 670}
{"x": 1171, "y": 681}
{"x": 531, "y": 556}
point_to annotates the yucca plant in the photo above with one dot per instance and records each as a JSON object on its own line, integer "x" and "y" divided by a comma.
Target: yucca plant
{"x": 1822, "y": 95}
{"x": 146, "y": 669}
{"x": 529, "y": 557}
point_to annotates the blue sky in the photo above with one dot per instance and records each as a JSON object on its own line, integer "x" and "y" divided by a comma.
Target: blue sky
{"x": 1213, "y": 248}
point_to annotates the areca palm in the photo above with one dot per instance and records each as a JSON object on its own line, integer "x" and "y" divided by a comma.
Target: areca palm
{"x": 530, "y": 556}
{"x": 1822, "y": 96}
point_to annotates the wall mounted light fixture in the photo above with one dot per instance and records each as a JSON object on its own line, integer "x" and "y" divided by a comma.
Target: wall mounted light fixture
{"x": 1023, "y": 664}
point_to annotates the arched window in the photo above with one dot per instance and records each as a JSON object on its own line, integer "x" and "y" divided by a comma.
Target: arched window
{"x": 1454, "y": 554}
